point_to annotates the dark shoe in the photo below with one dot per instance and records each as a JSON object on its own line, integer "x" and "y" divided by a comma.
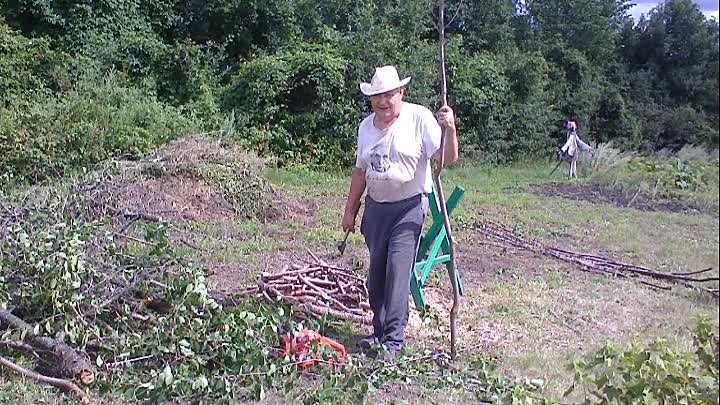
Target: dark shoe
{"x": 369, "y": 343}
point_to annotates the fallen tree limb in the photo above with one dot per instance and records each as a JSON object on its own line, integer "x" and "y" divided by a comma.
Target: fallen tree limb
{"x": 64, "y": 385}
{"x": 69, "y": 363}
{"x": 138, "y": 278}
{"x": 17, "y": 345}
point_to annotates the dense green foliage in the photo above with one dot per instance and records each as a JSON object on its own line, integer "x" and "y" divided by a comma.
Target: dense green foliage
{"x": 653, "y": 373}
{"x": 95, "y": 120}
{"x": 282, "y": 76}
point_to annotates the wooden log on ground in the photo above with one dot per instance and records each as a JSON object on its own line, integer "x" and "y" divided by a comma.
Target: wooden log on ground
{"x": 69, "y": 363}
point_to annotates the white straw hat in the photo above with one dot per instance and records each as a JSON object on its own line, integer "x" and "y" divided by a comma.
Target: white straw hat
{"x": 385, "y": 79}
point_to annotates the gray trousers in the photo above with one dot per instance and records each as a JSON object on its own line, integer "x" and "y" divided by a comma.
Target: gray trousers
{"x": 392, "y": 234}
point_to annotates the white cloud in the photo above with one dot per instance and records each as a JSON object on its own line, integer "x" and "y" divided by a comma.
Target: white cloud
{"x": 708, "y": 7}
{"x": 640, "y": 9}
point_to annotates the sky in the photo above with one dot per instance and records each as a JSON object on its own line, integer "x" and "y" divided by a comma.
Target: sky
{"x": 708, "y": 7}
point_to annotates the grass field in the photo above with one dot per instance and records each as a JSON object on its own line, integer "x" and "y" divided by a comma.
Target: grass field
{"x": 531, "y": 313}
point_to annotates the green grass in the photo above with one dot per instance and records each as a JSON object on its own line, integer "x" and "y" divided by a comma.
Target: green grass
{"x": 309, "y": 183}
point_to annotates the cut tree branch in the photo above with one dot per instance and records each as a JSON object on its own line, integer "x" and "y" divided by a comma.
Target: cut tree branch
{"x": 506, "y": 236}
{"x": 64, "y": 385}
{"x": 70, "y": 363}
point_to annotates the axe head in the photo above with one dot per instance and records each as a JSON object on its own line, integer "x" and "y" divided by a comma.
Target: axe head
{"x": 341, "y": 246}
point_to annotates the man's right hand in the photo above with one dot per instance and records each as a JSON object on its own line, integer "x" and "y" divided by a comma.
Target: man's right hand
{"x": 352, "y": 206}
{"x": 348, "y": 223}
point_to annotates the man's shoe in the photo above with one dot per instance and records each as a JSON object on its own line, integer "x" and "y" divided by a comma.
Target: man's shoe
{"x": 368, "y": 343}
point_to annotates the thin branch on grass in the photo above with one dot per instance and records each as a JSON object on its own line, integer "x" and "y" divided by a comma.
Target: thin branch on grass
{"x": 592, "y": 263}
{"x": 194, "y": 246}
{"x": 134, "y": 239}
{"x": 632, "y": 200}
{"x": 64, "y": 385}
{"x": 123, "y": 363}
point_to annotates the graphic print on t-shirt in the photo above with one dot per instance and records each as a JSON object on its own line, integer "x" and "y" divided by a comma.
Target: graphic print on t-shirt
{"x": 380, "y": 158}
{"x": 387, "y": 164}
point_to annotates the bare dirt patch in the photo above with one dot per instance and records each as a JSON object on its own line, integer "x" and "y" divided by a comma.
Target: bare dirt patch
{"x": 176, "y": 198}
{"x": 227, "y": 278}
{"x": 286, "y": 207}
{"x": 605, "y": 195}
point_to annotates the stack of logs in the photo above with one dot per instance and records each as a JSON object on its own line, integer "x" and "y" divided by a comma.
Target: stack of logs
{"x": 507, "y": 237}
{"x": 319, "y": 289}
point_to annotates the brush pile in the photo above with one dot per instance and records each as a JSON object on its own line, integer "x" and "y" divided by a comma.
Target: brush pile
{"x": 318, "y": 289}
{"x": 507, "y": 238}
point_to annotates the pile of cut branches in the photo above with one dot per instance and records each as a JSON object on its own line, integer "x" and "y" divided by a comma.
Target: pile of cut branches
{"x": 66, "y": 286}
{"x": 507, "y": 237}
{"x": 189, "y": 179}
{"x": 319, "y": 289}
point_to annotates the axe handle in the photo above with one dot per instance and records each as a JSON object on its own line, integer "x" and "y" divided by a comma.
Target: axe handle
{"x": 556, "y": 166}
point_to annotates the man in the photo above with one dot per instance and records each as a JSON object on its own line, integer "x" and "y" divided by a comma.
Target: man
{"x": 573, "y": 146}
{"x": 395, "y": 145}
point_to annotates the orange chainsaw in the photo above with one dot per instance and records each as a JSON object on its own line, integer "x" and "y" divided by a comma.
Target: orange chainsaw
{"x": 301, "y": 344}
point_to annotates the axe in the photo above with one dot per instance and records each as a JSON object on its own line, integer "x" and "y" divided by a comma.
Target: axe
{"x": 341, "y": 245}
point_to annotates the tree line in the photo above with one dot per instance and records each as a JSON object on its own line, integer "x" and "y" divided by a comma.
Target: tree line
{"x": 85, "y": 80}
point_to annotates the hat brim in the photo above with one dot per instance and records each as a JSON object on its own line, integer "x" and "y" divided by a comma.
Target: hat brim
{"x": 367, "y": 89}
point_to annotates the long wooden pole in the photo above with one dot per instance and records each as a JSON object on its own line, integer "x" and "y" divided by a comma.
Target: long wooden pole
{"x": 441, "y": 194}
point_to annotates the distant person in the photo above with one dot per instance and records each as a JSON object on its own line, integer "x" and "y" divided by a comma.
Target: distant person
{"x": 573, "y": 146}
{"x": 395, "y": 146}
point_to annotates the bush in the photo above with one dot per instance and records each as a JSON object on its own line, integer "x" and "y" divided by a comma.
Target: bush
{"x": 699, "y": 154}
{"x": 99, "y": 119}
{"x": 532, "y": 113}
{"x": 654, "y": 373}
{"x": 607, "y": 159}
{"x": 673, "y": 127}
{"x": 690, "y": 175}
{"x": 480, "y": 93}
{"x": 26, "y": 65}
{"x": 295, "y": 105}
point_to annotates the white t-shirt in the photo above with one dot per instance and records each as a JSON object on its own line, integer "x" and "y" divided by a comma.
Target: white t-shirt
{"x": 396, "y": 160}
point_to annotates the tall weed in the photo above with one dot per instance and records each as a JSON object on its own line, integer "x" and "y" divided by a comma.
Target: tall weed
{"x": 690, "y": 175}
